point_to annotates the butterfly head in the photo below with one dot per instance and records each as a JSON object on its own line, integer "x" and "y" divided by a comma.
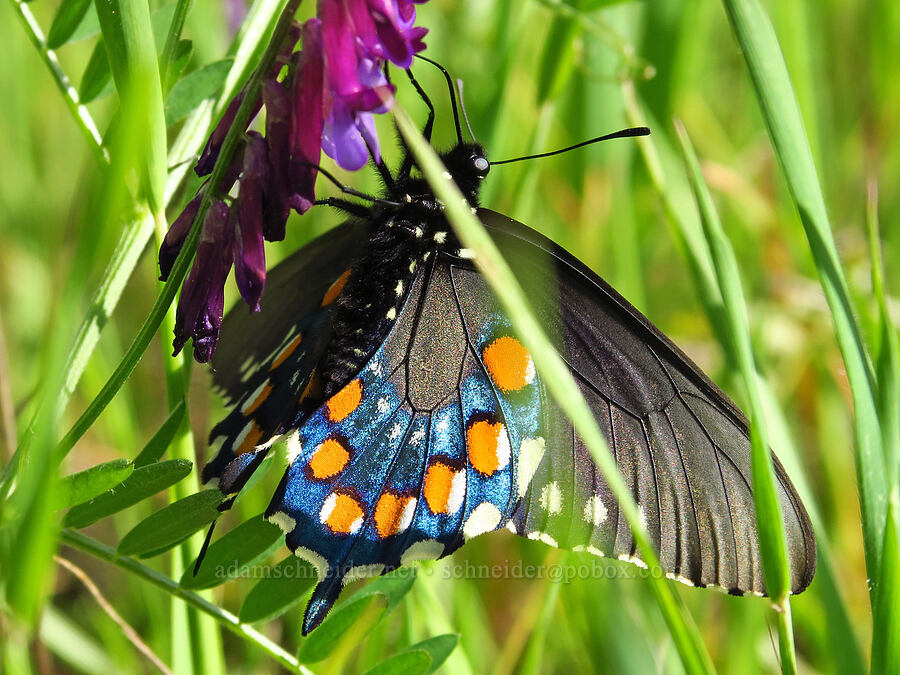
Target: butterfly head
{"x": 467, "y": 163}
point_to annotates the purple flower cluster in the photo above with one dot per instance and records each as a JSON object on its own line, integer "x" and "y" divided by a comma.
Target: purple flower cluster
{"x": 326, "y": 101}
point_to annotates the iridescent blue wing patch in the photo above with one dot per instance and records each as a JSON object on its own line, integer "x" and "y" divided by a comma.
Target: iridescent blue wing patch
{"x": 409, "y": 460}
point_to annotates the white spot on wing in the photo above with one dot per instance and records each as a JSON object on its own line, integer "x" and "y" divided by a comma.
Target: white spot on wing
{"x": 316, "y": 560}
{"x": 551, "y": 498}
{"x": 399, "y": 289}
{"x": 503, "y": 451}
{"x": 531, "y": 451}
{"x": 484, "y": 518}
{"x": 327, "y": 507}
{"x": 417, "y": 436}
{"x": 362, "y": 572}
{"x": 634, "y": 560}
{"x": 466, "y": 253}
{"x": 428, "y": 549}
{"x": 294, "y": 447}
{"x": 442, "y": 426}
{"x": 440, "y": 237}
{"x": 283, "y": 520}
{"x": 595, "y": 511}
{"x": 457, "y": 492}
{"x": 392, "y": 313}
{"x": 396, "y": 431}
{"x": 544, "y": 537}
{"x": 407, "y": 516}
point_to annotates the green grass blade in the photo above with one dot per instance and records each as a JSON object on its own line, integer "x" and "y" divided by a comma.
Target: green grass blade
{"x": 773, "y": 546}
{"x": 886, "y": 620}
{"x": 558, "y": 380}
{"x": 128, "y": 36}
{"x": 771, "y": 81}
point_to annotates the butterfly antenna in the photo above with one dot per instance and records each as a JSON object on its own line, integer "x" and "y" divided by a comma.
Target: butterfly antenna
{"x": 624, "y": 133}
{"x": 462, "y": 105}
{"x": 449, "y": 79}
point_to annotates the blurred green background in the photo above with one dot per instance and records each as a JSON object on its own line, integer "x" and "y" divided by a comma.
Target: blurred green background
{"x": 537, "y": 76}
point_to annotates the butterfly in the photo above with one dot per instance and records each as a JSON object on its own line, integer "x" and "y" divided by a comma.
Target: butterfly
{"x": 415, "y": 420}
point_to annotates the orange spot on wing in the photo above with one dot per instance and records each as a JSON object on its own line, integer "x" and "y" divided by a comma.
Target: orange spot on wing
{"x": 345, "y": 401}
{"x": 388, "y": 513}
{"x": 251, "y": 440}
{"x": 482, "y": 440}
{"x": 287, "y": 351}
{"x": 329, "y": 459}
{"x": 335, "y": 289}
{"x": 438, "y": 483}
{"x": 258, "y": 401}
{"x": 346, "y": 513}
{"x": 508, "y": 363}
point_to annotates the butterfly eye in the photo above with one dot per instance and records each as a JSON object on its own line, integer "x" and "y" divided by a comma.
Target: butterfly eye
{"x": 480, "y": 165}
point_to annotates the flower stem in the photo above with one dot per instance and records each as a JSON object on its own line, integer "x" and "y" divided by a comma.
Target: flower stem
{"x": 70, "y": 95}
{"x": 230, "y": 621}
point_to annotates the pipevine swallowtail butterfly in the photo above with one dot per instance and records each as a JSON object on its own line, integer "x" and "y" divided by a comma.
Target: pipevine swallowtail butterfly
{"x": 415, "y": 419}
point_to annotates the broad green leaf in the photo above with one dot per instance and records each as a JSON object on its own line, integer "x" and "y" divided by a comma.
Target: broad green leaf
{"x": 143, "y": 483}
{"x": 68, "y": 17}
{"x": 157, "y": 445}
{"x": 85, "y": 485}
{"x": 379, "y": 597}
{"x": 89, "y": 26}
{"x": 196, "y": 87}
{"x": 422, "y": 658}
{"x": 286, "y": 585}
{"x": 438, "y": 648}
{"x": 171, "y": 525}
{"x": 183, "y": 53}
{"x": 405, "y": 663}
{"x": 96, "y": 78}
{"x": 234, "y": 554}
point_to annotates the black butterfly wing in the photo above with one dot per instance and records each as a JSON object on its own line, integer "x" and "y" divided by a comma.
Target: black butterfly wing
{"x": 265, "y": 362}
{"x": 680, "y": 442}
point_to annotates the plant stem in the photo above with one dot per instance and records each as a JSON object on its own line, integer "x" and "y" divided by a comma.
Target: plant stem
{"x": 230, "y": 621}
{"x": 70, "y": 94}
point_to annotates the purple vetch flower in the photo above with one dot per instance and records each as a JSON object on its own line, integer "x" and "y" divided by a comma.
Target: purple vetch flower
{"x": 305, "y": 139}
{"x": 249, "y": 252}
{"x": 176, "y": 235}
{"x": 326, "y": 101}
{"x": 200, "y": 307}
